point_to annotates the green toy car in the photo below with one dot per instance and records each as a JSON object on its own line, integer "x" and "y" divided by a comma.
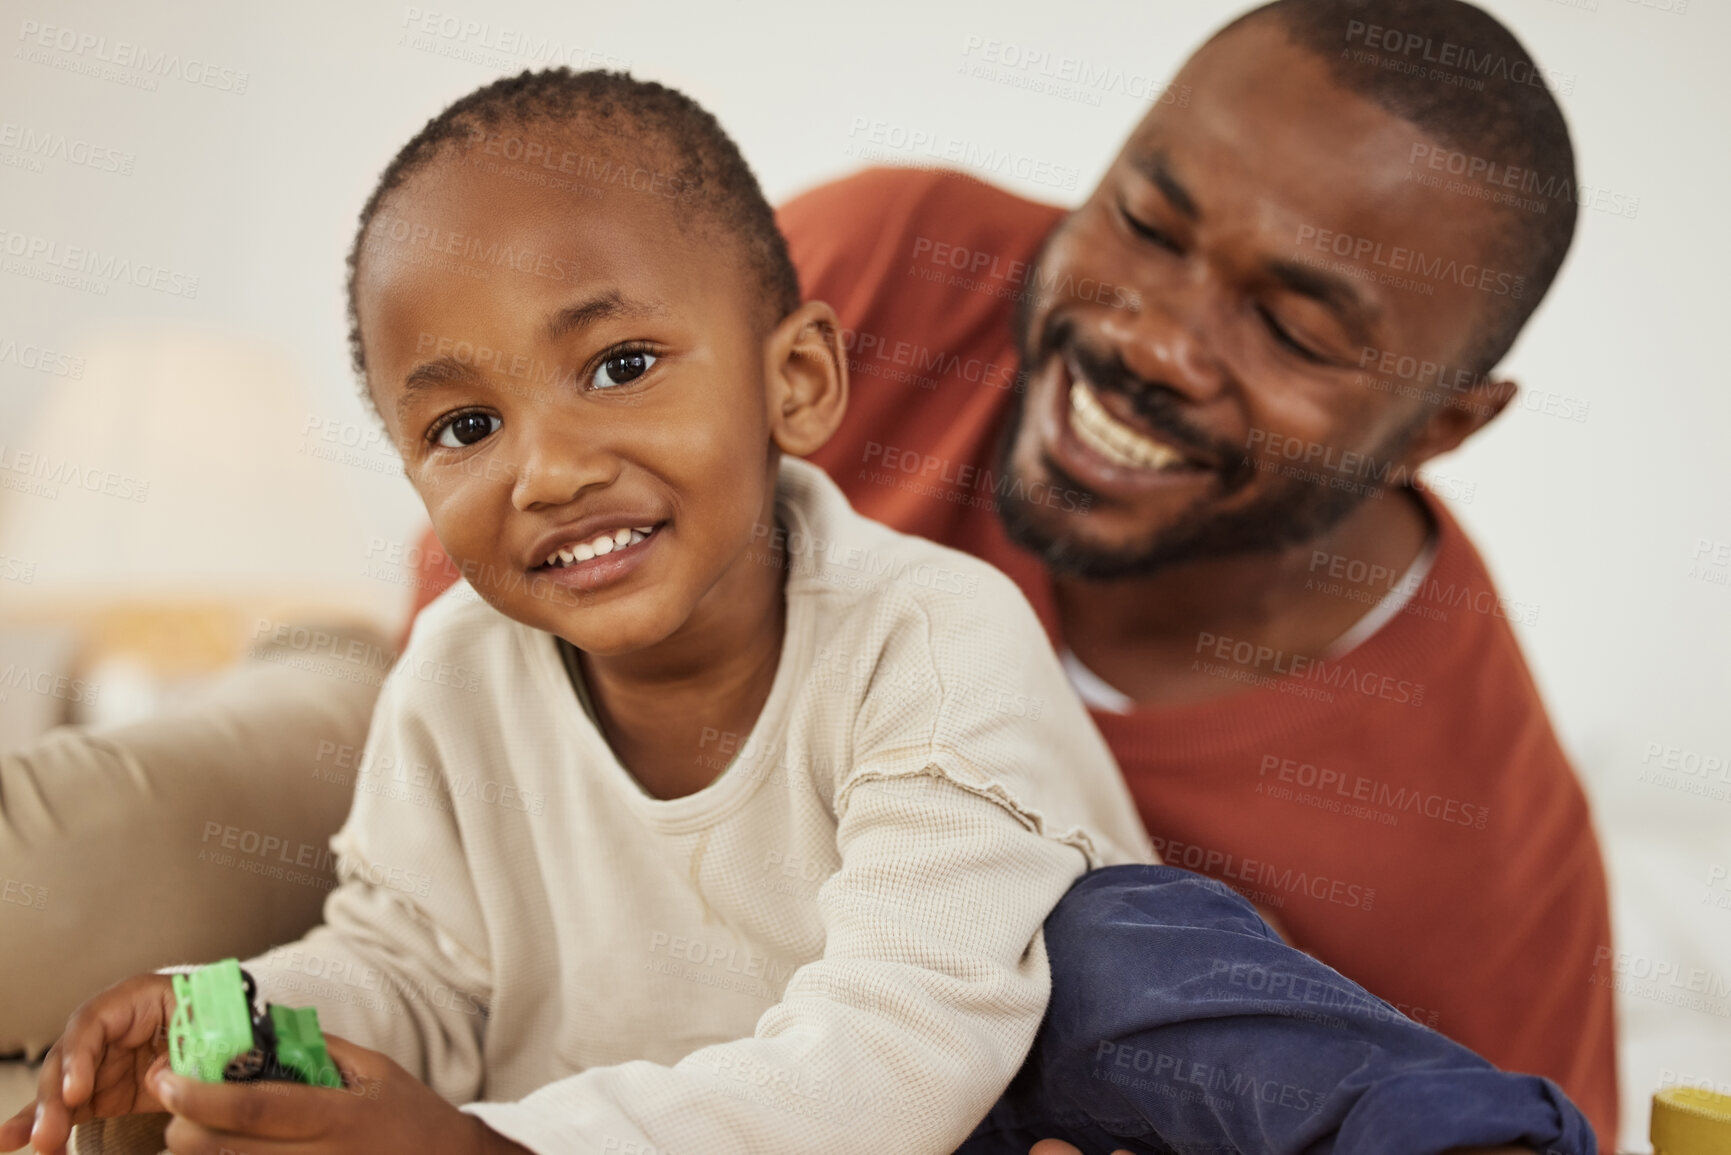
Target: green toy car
{"x": 216, "y": 1035}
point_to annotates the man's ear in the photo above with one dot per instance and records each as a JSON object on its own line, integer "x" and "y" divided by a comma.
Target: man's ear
{"x": 807, "y": 377}
{"x": 1461, "y": 416}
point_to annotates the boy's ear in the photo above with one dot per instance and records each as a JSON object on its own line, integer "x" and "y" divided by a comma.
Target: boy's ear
{"x": 806, "y": 372}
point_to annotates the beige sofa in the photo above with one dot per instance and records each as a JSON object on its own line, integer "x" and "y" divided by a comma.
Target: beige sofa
{"x": 189, "y": 837}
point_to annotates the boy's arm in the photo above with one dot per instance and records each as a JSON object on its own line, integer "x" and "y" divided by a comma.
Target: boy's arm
{"x": 925, "y": 1002}
{"x": 400, "y": 963}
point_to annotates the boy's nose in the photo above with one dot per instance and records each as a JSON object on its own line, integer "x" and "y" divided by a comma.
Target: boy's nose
{"x": 556, "y": 466}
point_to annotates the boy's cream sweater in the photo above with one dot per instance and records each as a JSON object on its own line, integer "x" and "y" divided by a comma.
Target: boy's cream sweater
{"x": 833, "y": 947}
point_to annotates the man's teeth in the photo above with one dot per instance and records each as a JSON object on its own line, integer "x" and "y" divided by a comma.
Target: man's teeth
{"x": 1111, "y": 438}
{"x": 601, "y": 544}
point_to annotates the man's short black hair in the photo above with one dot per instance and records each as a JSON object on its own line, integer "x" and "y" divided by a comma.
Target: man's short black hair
{"x": 699, "y": 167}
{"x": 1483, "y": 97}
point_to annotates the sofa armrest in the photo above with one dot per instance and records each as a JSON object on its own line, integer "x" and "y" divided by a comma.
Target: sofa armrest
{"x": 190, "y": 836}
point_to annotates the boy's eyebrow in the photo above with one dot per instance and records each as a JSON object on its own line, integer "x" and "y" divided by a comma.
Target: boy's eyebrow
{"x": 605, "y": 306}
{"x": 426, "y": 376}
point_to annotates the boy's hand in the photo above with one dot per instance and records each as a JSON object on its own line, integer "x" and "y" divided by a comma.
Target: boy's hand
{"x": 100, "y": 1064}
{"x": 1059, "y": 1147}
{"x": 380, "y": 1107}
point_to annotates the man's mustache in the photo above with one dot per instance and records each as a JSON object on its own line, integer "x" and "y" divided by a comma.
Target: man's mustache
{"x": 1156, "y": 403}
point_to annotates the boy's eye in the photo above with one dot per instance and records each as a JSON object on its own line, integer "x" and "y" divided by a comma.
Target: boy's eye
{"x": 621, "y": 368}
{"x": 466, "y": 429}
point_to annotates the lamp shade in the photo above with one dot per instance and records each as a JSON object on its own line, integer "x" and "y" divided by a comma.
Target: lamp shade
{"x": 180, "y": 467}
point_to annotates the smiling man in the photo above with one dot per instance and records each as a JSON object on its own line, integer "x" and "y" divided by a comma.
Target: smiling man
{"x": 1186, "y": 418}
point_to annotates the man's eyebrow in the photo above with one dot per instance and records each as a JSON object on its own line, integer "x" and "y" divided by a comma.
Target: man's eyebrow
{"x": 1157, "y": 168}
{"x": 1337, "y": 294}
{"x": 601, "y": 307}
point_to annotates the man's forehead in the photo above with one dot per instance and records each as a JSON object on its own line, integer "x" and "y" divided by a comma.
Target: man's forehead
{"x": 1275, "y": 111}
{"x": 1271, "y": 140}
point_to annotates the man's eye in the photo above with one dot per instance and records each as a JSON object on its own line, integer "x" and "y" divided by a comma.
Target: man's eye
{"x": 1147, "y": 231}
{"x": 466, "y": 429}
{"x": 1285, "y": 338}
{"x": 622, "y": 368}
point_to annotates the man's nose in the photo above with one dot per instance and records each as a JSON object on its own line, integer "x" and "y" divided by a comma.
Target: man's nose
{"x": 1164, "y": 340}
{"x": 556, "y": 462}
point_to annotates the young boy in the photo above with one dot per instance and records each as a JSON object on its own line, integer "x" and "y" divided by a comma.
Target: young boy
{"x": 706, "y": 815}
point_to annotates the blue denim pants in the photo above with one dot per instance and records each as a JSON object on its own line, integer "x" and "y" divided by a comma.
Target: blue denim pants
{"x": 1181, "y": 1023}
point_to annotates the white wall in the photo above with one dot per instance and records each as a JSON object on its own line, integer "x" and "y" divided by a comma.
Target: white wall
{"x": 1595, "y": 521}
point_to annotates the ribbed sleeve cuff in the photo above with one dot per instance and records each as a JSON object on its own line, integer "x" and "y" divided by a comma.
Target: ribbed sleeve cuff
{"x": 1429, "y": 1112}
{"x": 533, "y": 1128}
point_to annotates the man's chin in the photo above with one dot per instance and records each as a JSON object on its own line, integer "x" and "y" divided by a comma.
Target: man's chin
{"x": 1068, "y": 548}
{"x": 1089, "y": 545}
{"x": 1086, "y": 536}
{"x": 1072, "y": 543}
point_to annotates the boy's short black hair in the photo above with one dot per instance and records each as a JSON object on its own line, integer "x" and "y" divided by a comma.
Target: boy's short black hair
{"x": 699, "y": 167}
{"x": 1491, "y": 102}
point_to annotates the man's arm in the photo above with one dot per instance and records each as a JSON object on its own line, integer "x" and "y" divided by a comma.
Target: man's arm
{"x": 929, "y": 991}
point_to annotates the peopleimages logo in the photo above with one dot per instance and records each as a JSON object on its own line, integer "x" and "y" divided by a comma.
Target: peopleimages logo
{"x": 43, "y": 144}
{"x": 1358, "y": 788}
{"x": 1276, "y": 883}
{"x": 1304, "y": 677}
{"x": 1454, "y": 60}
{"x": 464, "y": 247}
{"x": 31, "y": 356}
{"x": 1400, "y": 259}
{"x": 90, "y": 47}
{"x": 873, "y": 139}
{"x": 1500, "y": 183}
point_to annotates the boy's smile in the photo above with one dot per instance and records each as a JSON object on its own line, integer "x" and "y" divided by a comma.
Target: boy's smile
{"x": 589, "y": 560}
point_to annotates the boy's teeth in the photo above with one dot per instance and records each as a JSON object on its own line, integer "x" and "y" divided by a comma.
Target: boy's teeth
{"x": 1111, "y": 438}
{"x": 602, "y": 544}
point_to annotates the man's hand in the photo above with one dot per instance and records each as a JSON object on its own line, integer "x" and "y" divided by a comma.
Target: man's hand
{"x": 380, "y": 1107}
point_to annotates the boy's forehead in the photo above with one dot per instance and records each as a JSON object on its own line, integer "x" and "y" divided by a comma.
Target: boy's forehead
{"x": 467, "y": 250}
{"x": 488, "y": 197}
{"x": 461, "y": 219}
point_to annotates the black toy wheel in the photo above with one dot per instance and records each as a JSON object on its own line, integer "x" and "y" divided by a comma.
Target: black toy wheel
{"x": 245, "y": 1067}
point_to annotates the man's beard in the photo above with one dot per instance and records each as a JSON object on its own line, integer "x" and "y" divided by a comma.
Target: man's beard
{"x": 1291, "y": 510}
